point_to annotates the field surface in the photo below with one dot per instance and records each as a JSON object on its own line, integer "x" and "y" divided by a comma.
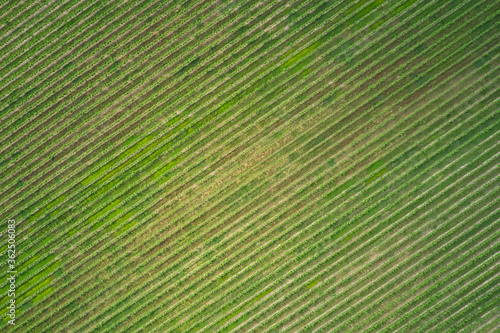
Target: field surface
{"x": 251, "y": 165}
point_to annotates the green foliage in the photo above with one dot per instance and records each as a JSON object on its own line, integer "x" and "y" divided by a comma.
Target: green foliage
{"x": 191, "y": 166}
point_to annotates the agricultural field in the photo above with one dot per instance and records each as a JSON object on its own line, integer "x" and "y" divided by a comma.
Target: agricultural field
{"x": 250, "y": 166}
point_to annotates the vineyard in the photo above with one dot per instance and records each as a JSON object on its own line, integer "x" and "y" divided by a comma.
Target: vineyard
{"x": 250, "y": 165}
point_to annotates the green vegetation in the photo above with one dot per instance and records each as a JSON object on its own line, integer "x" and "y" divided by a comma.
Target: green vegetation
{"x": 251, "y": 166}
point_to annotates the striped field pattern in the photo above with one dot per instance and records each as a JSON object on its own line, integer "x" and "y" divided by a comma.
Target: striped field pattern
{"x": 251, "y": 165}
